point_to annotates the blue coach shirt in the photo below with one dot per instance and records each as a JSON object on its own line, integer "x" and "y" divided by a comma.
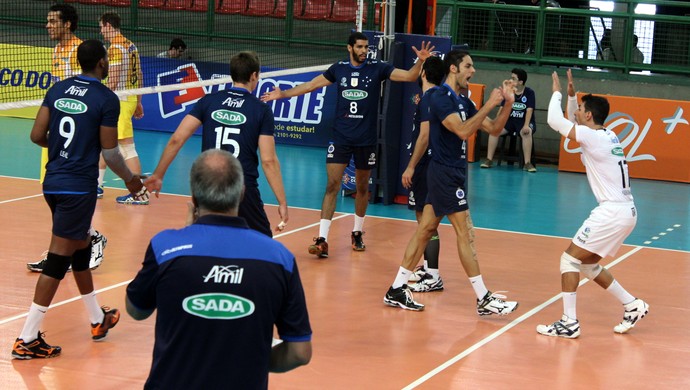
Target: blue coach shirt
{"x": 359, "y": 89}
{"x": 218, "y": 288}
{"x": 79, "y": 106}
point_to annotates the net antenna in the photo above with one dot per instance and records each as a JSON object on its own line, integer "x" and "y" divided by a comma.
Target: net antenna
{"x": 388, "y": 27}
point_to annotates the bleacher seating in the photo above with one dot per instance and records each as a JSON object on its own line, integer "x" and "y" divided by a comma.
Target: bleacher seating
{"x": 316, "y": 10}
{"x": 260, "y": 8}
{"x": 151, "y": 3}
{"x": 281, "y": 8}
{"x": 231, "y": 7}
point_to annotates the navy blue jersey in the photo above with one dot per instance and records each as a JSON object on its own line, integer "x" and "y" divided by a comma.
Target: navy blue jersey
{"x": 233, "y": 120}
{"x": 421, "y": 114}
{"x": 79, "y": 106}
{"x": 359, "y": 90}
{"x": 449, "y": 149}
{"x": 516, "y": 121}
{"x": 216, "y": 305}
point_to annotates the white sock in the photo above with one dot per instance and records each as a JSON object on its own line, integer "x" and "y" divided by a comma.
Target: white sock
{"x": 101, "y": 176}
{"x": 92, "y": 308}
{"x": 570, "y": 304}
{"x": 402, "y": 277}
{"x": 359, "y": 223}
{"x": 426, "y": 264}
{"x": 433, "y": 272}
{"x": 620, "y": 293}
{"x": 324, "y": 227}
{"x": 92, "y": 231}
{"x": 33, "y": 322}
{"x": 478, "y": 286}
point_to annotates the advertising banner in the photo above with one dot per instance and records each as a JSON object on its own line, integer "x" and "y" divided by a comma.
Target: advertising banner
{"x": 24, "y": 75}
{"x": 655, "y": 136}
{"x": 303, "y": 120}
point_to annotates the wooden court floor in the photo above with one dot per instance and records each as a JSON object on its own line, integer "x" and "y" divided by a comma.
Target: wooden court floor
{"x": 359, "y": 343}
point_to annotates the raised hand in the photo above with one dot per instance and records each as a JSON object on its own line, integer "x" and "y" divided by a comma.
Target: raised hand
{"x": 556, "y": 86}
{"x": 425, "y": 51}
{"x": 571, "y": 85}
{"x": 496, "y": 97}
{"x": 508, "y": 91}
{"x": 271, "y": 95}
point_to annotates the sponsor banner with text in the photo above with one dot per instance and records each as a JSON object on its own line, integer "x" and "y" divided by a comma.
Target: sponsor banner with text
{"x": 655, "y": 136}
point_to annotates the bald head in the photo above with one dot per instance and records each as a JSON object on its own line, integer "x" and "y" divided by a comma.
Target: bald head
{"x": 217, "y": 182}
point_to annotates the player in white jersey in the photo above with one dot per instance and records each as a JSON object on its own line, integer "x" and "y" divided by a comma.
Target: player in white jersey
{"x": 609, "y": 224}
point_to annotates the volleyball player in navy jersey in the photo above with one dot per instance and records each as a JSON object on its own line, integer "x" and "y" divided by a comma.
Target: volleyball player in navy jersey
{"x": 452, "y": 119}
{"x": 80, "y": 113}
{"x": 426, "y": 276}
{"x": 236, "y": 121}
{"x": 354, "y": 133}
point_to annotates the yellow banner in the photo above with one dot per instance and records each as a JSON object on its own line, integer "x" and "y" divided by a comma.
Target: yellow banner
{"x": 24, "y": 75}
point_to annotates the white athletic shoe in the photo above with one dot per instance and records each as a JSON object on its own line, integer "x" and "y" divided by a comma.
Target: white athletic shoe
{"x": 417, "y": 274}
{"x": 634, "y": 311}
{"x": 98, "y": 243}
{"x": 566, "y": 327}
{"x": 427, "y": 284}
{"x": 494, "y": 303}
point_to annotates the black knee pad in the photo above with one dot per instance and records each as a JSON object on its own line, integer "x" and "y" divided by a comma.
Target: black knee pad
{"x": 81, "y": 259}
{"x": 56, "y": 266}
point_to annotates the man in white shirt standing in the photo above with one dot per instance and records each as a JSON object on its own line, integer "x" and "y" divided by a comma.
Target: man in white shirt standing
{"x": 609, "y": 224}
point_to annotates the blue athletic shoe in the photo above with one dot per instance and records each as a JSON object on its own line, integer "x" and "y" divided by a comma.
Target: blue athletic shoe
{"x": 99, "y": 192}
{"x": 129, "y": 199}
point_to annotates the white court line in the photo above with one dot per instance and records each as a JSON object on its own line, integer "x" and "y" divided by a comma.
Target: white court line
{"x": 22, "y": 198}
{"x": 73, "y": 299}
{"x": 20, "y": 316}
{"x": 499, "y": 332}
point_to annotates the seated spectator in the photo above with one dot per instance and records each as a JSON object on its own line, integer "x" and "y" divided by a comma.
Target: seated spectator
{"x": 637, "y": 56}
{"x": 176, "y": 50}
{"x": 521, "y": 121}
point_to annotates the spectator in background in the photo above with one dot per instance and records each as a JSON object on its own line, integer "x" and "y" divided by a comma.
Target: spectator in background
{"x": 230, "y": 295}
{"x": 637, "y": 56}
{"x": 176, "y": 50}
{"x": 418, "y": 19}
{"x": 605, "y": 47}
{"x": 521, "y": 121}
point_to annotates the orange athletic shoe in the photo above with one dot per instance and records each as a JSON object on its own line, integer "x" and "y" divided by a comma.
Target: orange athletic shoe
{"x": 110, "y": 319}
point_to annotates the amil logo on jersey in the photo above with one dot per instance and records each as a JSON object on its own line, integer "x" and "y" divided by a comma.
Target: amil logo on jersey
{"x": 175, "y": 102}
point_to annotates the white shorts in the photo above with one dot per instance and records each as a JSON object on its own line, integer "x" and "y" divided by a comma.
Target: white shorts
{"x": 608, "y": 225}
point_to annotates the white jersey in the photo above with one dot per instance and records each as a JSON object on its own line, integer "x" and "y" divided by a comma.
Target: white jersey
{"x": 604, "y": 161}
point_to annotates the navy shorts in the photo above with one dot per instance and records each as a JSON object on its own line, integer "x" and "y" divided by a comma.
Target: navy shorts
{"x": 72, "y": 214}
{"x": 365, "y": 156}
{"x": 252, "y": 210}
{"x": 418, "y": 192}
{"x": 447, "y": 189}
{"x": 513, "y": 131}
